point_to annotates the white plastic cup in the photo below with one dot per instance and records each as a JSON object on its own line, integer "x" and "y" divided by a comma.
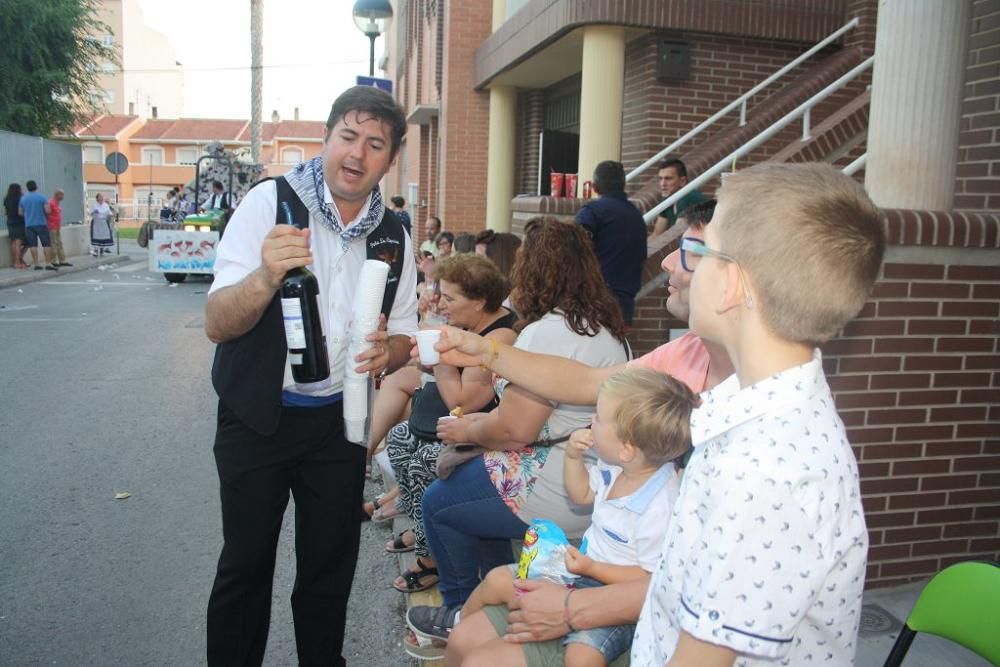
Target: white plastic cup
{"x": 425, "y": 345}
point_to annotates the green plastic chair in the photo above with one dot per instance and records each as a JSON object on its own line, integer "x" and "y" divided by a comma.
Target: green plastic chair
{"x": 961, "y": 603}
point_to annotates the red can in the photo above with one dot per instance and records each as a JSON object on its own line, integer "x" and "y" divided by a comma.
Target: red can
{"x": 571, "y": 185}
{"x": 556, "y": 179}
{"x": 588, "y": 189}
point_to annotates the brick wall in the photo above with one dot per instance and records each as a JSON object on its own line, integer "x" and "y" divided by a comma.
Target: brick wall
{"x": 977, "y": 182}
{"x": 916, "y": 378}
{"x": 464, "y": 119}
{"x": 722, "y": 68}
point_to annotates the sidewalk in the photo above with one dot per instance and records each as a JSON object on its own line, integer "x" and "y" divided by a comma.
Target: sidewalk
{"x": 11, "y": 277}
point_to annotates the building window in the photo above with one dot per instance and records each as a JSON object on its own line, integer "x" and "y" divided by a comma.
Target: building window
{"x": 152, "y": 156}
{"x": 108, "y": 40}
{"x": 93, "y": 153}
{"x": 187, "y": 155}
{"x": 108, "y": 68}
{"x": 291, "y": 155}
{"x": 109, "y": 96}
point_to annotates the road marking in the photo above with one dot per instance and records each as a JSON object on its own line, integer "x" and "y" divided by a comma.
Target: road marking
{"x": 42, "y": 319}
{"x": 94, "y": 283}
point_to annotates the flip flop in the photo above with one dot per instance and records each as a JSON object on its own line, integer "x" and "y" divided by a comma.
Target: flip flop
{"x": 413, "y": 579}
{"x": 398, "y": 546}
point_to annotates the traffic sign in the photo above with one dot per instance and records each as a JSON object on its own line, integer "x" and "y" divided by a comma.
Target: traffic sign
{"x": 375, "y": 82}
{"x": 116, "y": 163}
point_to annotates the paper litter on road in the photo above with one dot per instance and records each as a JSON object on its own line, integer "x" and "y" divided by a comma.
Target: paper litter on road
{"x": 122, "y": 495}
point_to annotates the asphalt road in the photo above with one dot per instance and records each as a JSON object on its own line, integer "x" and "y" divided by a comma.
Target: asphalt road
{"x": 106, "y": 389}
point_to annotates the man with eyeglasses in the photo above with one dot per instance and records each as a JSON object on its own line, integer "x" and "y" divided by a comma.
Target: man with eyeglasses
{"x": 539, "y": 618}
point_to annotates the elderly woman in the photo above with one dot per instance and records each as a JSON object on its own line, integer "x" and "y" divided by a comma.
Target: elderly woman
{"x": 567, "y": 310}
{"x": 472, "y": 291}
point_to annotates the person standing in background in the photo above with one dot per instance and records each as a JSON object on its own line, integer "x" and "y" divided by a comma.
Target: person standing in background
{"x": 54, "y": 221}
{"x": 35, "y": 209}
{"x": 619, "y": 234}
{"x": 399, "y": 208}
{"x": 101, "y": 238}
{"x": 15, "y": 225}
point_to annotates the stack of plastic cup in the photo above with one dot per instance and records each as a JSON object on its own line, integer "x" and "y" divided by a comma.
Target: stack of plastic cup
{"x": 367, "y": 307}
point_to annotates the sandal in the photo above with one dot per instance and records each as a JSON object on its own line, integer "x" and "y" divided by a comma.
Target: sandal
{"x": 398, "y": 546}
{"x": 386, "y": 512}
{"x": 423, "y": 649}
{"x": 412, "y": 579}
{"x": 376, "y": 504}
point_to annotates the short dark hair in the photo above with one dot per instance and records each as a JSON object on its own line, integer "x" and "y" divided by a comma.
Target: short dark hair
{"x": 698, "y": 215}
{"x": 217, "y": 185}
{"x": 31, "y": 185}
{"x": 465, "y": 242}
{"x": 372, "y": 101}
{"x": 677, "y": 164}
{"x": 398, "y": 201}
{"x": 609, "y": 176}
{"x": 434, "y": 220}
{"x": 447, "y": 236}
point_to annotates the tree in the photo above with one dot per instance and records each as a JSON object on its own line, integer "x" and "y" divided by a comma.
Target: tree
{"x": 49, "y": 63}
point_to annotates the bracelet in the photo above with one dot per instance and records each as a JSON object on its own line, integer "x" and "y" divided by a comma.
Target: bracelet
{"x": 566, "y": 610}
{"x": 487, "y": 365}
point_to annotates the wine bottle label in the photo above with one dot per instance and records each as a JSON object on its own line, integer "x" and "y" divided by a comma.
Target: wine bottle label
{"x": 295, "y": 330}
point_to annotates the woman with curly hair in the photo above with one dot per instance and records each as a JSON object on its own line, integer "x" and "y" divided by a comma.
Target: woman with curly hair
{"x": 565, "y": 309}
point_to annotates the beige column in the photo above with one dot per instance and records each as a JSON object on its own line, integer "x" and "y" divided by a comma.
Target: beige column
{"x": 501, "y": 151}
{"x": 913, "y": 126}
{"x": 499, "y": 13}
{"x": 601, "y": 93}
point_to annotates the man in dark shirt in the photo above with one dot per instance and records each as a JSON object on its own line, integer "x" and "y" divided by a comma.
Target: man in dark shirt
{"x": 619, "y": 234}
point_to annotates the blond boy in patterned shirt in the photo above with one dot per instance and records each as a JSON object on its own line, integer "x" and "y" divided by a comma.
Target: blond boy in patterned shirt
{"x": 764, "y": 559}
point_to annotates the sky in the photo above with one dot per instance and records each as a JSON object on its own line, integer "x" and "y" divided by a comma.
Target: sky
{"x": 312, "y": 52}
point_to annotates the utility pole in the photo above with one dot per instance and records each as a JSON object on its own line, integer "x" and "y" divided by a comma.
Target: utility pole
{"x": 256, "y": 77}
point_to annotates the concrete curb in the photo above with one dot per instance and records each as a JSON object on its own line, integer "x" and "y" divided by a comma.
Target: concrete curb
{"x": 13, "y": 277}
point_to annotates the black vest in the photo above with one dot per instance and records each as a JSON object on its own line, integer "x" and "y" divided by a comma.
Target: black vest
{"x": 248, "y": 371}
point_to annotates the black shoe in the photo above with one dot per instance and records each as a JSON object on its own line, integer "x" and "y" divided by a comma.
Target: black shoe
{"x": 38, "y": 268}
{"x": 51, "y": 267}
{"x": 64, "y": 264}
{"x": 432, "y": 622}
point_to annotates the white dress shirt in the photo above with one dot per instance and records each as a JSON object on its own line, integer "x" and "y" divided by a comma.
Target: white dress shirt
{"x": 766, "y": 548}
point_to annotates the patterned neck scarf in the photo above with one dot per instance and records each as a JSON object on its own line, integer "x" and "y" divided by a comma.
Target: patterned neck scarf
{"x": 306, "y": 180}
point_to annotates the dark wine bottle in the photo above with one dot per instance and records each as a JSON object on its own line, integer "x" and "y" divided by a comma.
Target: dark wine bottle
{"x": 303, "y": 327}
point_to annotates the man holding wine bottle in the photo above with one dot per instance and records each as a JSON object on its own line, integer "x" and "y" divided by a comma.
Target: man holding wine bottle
{"x": 280, "y": 310}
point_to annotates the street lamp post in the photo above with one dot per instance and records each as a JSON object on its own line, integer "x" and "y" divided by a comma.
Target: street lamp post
{"x": 373, "y": 18}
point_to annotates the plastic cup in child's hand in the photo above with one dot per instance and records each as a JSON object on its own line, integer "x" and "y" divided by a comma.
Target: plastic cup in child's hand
{"x": 425, "y": 345}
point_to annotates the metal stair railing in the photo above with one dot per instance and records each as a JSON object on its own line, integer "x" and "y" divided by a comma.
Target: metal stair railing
{"x": 857, "y": 165}
{"x": 741, "y": 101}
{"x": 746, "y": 148}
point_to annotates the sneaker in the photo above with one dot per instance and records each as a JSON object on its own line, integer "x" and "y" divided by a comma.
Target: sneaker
{"x": 432, "y": 622}
{"x": 51, "y": 267}
{"x": 64, "y": 264}
{"x": 37, "y": 268}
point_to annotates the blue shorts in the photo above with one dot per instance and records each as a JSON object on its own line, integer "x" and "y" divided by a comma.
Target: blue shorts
{"x": 35, "y": 233}
{"x": 611, "y": 640}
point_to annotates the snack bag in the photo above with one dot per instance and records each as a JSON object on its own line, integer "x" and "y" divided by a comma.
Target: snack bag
{"x": 544, "y": 553}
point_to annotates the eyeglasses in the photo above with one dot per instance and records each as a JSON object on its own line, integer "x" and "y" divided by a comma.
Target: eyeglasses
{"x": 692, "y": 250}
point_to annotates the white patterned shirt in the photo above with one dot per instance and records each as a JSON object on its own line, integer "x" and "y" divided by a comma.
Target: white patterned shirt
{"x": 766, "y": 549}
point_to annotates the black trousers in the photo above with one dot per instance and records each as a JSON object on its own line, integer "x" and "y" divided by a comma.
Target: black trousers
{"x": 309, "y": 457}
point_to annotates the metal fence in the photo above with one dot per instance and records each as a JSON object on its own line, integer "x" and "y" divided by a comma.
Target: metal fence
{"x": 51, "y": 164}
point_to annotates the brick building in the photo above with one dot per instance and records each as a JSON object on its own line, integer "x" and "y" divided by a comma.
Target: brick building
{"x": 500, "y": 93}
{"x": 162, "y": 151}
